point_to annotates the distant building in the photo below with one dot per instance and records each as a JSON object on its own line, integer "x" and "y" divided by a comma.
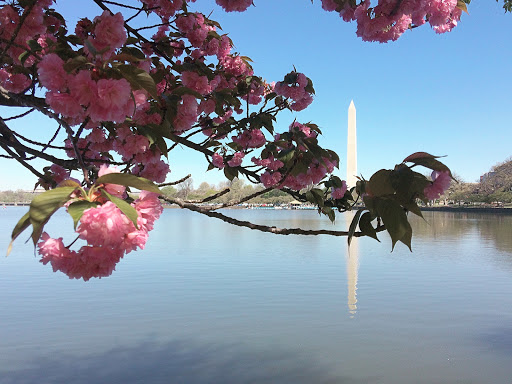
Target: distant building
{"x": 486, "y": 176}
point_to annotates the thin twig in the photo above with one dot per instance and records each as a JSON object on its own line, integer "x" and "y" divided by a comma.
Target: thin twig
{"x": 20, "y": 160}
{"x": 20, "y": 115}
{"x": 121, "y": 5}
{"x": 175, "y": 182}
{"x": 209, "y": 198}
{"x": 243, "y": 200}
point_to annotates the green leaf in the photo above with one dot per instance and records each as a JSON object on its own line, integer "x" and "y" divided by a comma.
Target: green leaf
{"x": 23, "y": 57}
{"x": 154, "y": 137}
{"x": 129, "y": 181}
{"x": 74, "y": 63}
{"x": 299, "y": 167}
{"x": 286, "y": 155}
{"x": 420, "y": 155}
{"x": 369, "y": 203}
{"x": 462, "y": 6}
{"x": 380, "y": 183}
{"x": 318, "y": 196}
{"x": 22, "y": 224}
{"x": 330, "y": 213}
{"x": 34, "y": 45}
{"x": 428, "y": 161}
{"x": 408, "y": 184}
{"x": 90, "y": 47}
{"x": 353, "y": 225}
{"x": 187, "y": 91}
{"x": 366, "y": 227}
{"x": 137, "y": 53}
{"x": 394, "y": 219}
{"x": 230, "y": 173}
{"x": 407, "y": 238}
{"x": 76, "y": 209}
{"x": 69, "y": 183}
{"x": 126, "y": 208}
{"x": 138, "y": 79}
{"x": 43, "y": 206}
{"x": 433, "y": 164}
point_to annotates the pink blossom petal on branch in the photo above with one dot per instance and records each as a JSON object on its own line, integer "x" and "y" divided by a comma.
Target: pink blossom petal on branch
{"x": 440, "y": 183}
{"x": 51, "y": 73}
{"x": 234, "y": 5}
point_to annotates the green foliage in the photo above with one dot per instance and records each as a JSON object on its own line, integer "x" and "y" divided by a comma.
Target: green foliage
{"x": 128, "y": 181}
{"x": 390, "y": 194}
{"x": 126, "y": 208}
{"x": 44, "y": 206}
{"x": 76, "y": 209}
{"x": 138, "y": 78}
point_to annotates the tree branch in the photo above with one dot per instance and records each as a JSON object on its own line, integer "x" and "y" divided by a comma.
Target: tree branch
{"x": 20, "y": 160}
{"x": 209, "y": 198}
{"x": 243, "y": 200}
{"x": 175, "y": 182}
{"x": 259, "y": 227}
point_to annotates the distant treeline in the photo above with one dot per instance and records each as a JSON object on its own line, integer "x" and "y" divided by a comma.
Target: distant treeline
{"x": 18, "y": 196}
{"x": 494, "y": 186}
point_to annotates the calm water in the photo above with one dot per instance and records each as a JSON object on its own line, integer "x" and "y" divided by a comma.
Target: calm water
{"x": 211, "y": 303}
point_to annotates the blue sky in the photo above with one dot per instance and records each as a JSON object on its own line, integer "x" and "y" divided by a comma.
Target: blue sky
{"x": 444, "y": 94}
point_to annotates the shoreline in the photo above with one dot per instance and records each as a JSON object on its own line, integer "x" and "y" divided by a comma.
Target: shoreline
{"x": 500, "y": 210}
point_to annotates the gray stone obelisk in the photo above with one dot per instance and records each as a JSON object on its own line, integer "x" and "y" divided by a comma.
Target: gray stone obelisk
{"x": 351, "y": 147}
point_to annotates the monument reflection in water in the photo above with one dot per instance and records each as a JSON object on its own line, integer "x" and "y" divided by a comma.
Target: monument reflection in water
{"x": 352, "y": 260}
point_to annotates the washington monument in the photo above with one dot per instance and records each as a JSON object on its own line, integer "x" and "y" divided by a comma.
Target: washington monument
{"x": 351, "y": 147}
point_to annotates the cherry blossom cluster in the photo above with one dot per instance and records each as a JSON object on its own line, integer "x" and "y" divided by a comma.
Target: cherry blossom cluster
{"x": 234, "y": 5}
{"x": 314, "y": 169}
{"x": 388, "y": 20}
{"x": 121, "y": 97}
{"x": 108, "y": 232}
{"x": 109, "y": 235}
{"x": 338, "y": 193}
{"x": 298, "y": 88}
{"x": 165, "y": 8}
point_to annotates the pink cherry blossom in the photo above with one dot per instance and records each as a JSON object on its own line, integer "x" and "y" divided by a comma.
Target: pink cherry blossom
{"x": 59, "y": 174}
{"x": 153, "y": 169}
{"x": 114, "y": 101}
{"x": 109, "y": 33}
{"x": 83, "y": 88}
{"x": 14, "y": 83}
{"x": 193, "y": 81}
{"x": 218, "y": 160}
{"x": 64, "y": 104}
{"x": 149, "y": 208}
{"x": 187, "y": 113}
{"x": 270, "y": 179}
{"x": 294, "y": 88}
{"x": 234, "y": 5}
{"x": 440, "y": 183}
{"x": 85, "y": 264}
{"x": 104, "y": 226}
{"x": 253, "y": 138}
{"x": 338, "y": 193}
{"x": 237, "y": 159}
{"x": 51, "y": 73}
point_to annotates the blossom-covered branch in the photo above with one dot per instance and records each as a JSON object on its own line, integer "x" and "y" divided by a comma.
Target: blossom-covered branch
{"x": 122, "y": 98}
